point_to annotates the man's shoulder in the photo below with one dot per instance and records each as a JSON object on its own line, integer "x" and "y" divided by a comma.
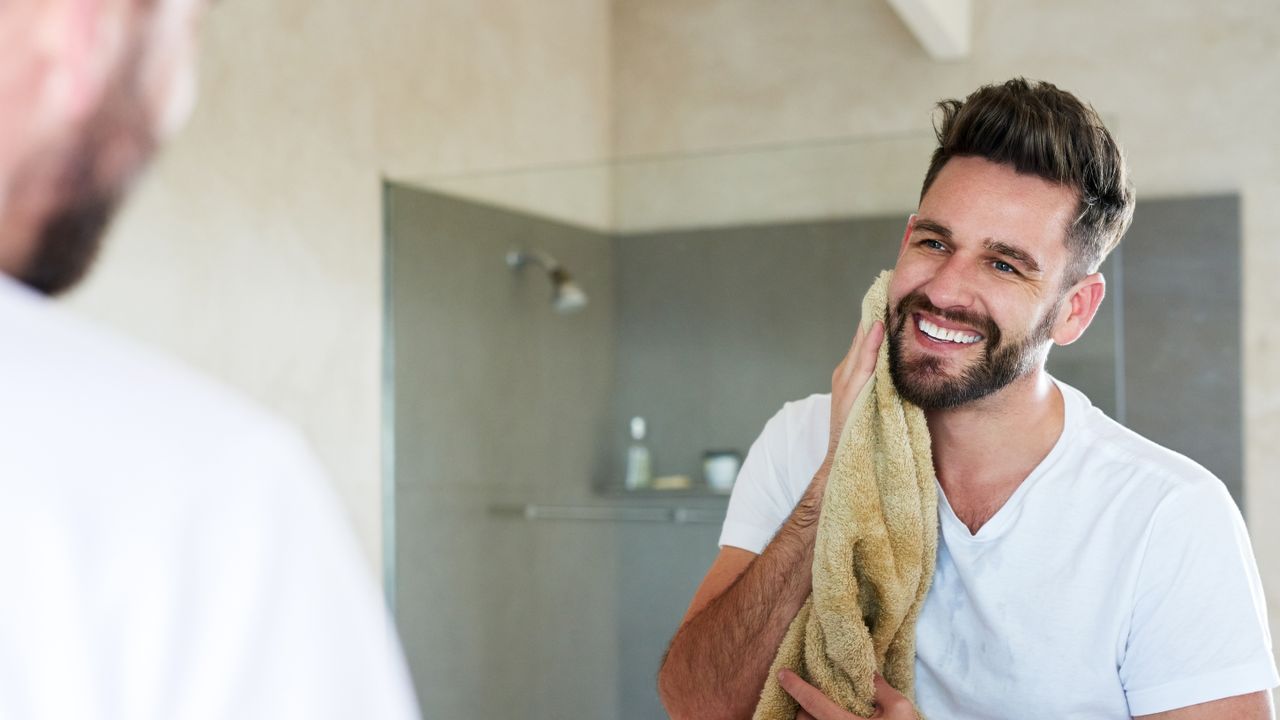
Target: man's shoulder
{"x": 807, "y": 410}
{"x": 797, "y": 435}
{"x": 797, "y": 422}
{"x": 90, "y": 397}
{"x": 1115, "y": 452}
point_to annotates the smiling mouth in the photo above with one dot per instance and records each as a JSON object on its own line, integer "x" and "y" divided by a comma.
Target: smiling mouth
{"x": 939, "y": 334}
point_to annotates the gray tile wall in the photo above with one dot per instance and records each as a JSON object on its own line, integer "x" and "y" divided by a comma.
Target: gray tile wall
{"x": 1182, "y": 346}
{"x": 498, "y": 399}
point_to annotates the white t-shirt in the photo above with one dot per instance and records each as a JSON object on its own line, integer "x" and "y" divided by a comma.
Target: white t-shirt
{"x": 1118, "y": 579}
{"x": 168, "y": 551}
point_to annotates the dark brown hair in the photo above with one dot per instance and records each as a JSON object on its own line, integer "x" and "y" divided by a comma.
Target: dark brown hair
{"x": 1043, "y": 131}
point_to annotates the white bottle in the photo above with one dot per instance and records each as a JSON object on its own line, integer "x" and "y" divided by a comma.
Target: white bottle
{"x": 639, "y": 472}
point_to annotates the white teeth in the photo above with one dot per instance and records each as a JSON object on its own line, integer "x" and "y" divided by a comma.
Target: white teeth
{"x": 955, "y": 336}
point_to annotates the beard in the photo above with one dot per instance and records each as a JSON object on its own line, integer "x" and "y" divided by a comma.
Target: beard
{"x": 93, "y": 176}
{"x": 923, "y": 380}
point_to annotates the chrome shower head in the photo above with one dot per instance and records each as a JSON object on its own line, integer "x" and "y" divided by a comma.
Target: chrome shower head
{"x": 566, "y": 296}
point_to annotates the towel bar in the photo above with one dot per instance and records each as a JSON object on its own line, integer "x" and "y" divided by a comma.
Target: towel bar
{"x": 611, "y": 513}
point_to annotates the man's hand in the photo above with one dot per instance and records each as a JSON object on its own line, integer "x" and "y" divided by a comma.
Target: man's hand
{"x": 849, "y": 378}
{"x": 890, "y": 704}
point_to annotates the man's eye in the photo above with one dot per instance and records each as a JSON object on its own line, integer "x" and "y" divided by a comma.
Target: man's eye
{"x": 933, "y": 244}
{"x": 1003, "y": 266}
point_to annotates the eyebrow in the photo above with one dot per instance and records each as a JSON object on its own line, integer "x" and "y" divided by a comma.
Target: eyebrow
{"x": 936, "y": 228}
{"x": 1014, "y": 253}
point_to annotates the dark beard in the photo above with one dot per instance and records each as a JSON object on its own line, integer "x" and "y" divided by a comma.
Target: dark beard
{"x": 922, "y": 382}
{"x": 89, "y": 191}
{"x": 69, "y": 241}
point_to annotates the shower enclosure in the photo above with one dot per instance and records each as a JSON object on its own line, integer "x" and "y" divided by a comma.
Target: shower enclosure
{"x": 525, "y": 579}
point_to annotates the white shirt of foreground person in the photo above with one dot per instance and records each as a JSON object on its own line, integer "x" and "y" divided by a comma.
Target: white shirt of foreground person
{"x": 1118, "y": 579}
{"x": 167, "y": 551}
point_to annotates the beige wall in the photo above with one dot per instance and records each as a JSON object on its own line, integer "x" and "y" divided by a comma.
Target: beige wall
{"x": 1186, "y": 83}
{"x": 1192, "y": 89}
{"x": 253, "y": 251}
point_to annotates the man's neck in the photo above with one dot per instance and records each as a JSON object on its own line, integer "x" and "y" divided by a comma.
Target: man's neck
{"x": 999, "y": 440}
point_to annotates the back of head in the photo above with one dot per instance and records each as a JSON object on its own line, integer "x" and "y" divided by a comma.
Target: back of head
{"x": 1043, "y": 131}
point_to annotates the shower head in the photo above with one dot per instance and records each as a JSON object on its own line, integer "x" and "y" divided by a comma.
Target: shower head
{"x": 566, "y": 296}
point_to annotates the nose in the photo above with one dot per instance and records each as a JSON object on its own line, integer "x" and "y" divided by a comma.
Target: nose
{"x": 950, "y": 287}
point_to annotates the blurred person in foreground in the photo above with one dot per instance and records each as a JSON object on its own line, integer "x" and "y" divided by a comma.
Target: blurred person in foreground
{"x": 168, "y": 550}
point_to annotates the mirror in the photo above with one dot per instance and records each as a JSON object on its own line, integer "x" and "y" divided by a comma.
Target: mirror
{"x": 526, "y": 578}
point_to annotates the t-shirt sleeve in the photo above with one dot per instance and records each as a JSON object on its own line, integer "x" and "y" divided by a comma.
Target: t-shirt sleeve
{"x": 762, "y": 497}
{"x": 1199, "y": 626}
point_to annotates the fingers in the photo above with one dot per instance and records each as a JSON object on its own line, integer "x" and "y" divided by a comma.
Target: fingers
{"x": 862, "y": 353}
{"x": 857, "y": 339}
{"x": 851, "y": 375}
{"x": 891, "y": 704}
{"x": 811, "y": 699}
{"x": 845, "y": 368}
{"x": 861, "y": 363}
{"x": 885, "y": 693}
{"x": 870, "y": 349}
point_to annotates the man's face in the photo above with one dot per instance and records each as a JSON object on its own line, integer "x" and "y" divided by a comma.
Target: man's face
{"x": 146, "y": 96}
{"x": 976, "y": 292}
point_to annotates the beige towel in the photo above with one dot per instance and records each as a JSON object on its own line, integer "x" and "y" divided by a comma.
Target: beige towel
{"x": 874, "y": 554}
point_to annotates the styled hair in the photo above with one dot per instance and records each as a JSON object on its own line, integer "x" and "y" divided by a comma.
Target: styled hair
{"x": 1049, "y": 133}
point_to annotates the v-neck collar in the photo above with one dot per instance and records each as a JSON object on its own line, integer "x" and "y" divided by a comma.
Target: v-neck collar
{"x": 1004, "y": 517}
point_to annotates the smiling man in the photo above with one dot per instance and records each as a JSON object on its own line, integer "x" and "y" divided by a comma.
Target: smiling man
{"x": 1082, "y": 571}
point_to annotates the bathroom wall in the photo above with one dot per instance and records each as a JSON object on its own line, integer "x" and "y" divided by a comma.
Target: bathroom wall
{"x": 498, "y": 399}
{"x": 1182, "y": 346}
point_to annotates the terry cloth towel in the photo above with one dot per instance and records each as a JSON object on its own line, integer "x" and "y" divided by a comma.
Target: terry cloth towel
{"x": 874, "y": 553}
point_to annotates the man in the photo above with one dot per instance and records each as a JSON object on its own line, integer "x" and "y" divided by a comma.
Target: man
{"x": 168, "y": 550}
{"x": 1082, "y": 571}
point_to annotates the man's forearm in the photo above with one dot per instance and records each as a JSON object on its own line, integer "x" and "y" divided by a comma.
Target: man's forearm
{"x": 718, "y": 660}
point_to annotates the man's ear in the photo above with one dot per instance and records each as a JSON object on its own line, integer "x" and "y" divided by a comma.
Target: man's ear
{"x": 906, "y": 236}
{"x": 1078, "y": 307}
